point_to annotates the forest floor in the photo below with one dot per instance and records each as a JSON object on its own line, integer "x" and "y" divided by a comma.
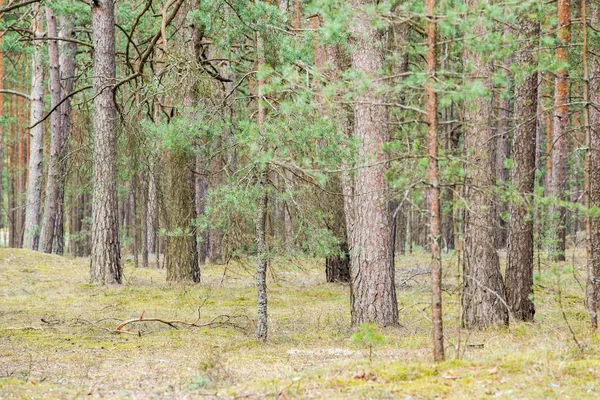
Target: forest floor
{"x": 58, "y": 339}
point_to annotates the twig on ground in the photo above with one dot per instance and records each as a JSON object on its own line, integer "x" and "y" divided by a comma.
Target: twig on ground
{"x": 22, "y": 328}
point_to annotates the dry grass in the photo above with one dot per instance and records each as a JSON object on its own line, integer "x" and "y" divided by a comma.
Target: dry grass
{"x": 48, "y": 351}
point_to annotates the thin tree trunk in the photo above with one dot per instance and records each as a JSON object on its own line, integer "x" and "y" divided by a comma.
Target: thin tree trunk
{"x": 560, "y": 135}
{"x": 106, "y": 259}
{"x": 373, "y": 291}
{"x": 483, "y": 291}
{"x": 2, "y": 133}
{"x": 144, "y": 220}
{"x": 152, "y": 208}
{"x": 262, "y": 263}
{"x": 133, "y": 221}
{"x": 519, "y": 264}
{"x": 592, "y": 128}
{"x": 261, "y": 210}
{"x": 34, "y": 190}
{"x": 434, "y": 183}
{"x": 23, "y": 158}
{"x": 503, "y": 148}
{"x": 62, "y": 69}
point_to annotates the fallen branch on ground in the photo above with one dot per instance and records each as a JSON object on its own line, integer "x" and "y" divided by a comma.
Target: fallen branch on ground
{"x": 221, "y": 320}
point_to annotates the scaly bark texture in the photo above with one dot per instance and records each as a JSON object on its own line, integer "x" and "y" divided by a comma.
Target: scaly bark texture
{"x": 62, "y": 78}
{"x": 593, "y": 278}
{"x": 106, "y": 259}
{"x": 181, "y": 258}
{"x": 337, "y": 265}
{"x": 519, "y": 264}
{"x": 560, "y": 135}
{"x": 483, "y": 291}
{"x": 373, "y": 293}
{"x": 34, "y": 189}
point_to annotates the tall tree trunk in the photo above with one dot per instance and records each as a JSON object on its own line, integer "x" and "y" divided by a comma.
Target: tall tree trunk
{"x": 106, "y": 258}
{"x": 22, "y": 174}
{"x": 483, "y": 292}
{"x": 337, "y": 265}
{"x": 503, "y": 147}
{"x": 434, "y": 184}
{"x": 373, "y": 291}
{"x": 2, "y": 133}
{"x": 34, "y": 189}
{"x": 262, "y": 260}
{"x": 182, "y": 250}
{"x": 519, "y": 264}
{"x": 560, "y": 134}
{"x": 592, "y": 127}
{"x": 11, "y": 175}
{"x": 62, "y": 79}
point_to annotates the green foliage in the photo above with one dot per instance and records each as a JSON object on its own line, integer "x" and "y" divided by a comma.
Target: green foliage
{"x": 368, "y": 336}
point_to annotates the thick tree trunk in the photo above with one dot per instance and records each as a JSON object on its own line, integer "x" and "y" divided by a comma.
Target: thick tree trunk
{"x": 519, "y": 264}
{"x": 106, "y": 259}
{"x": 182, "y": 254}
{"x": 560, "y": 142}
{"x": 483, "y": 291}
{"x": 34, "y": 189}
{"x": 373, "y": 292}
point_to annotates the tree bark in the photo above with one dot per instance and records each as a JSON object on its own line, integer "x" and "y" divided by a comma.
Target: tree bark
{"x": 519, "y": 264}
{"x": 560, "y": 135}
{"x": 373, "y": 292}
{"x": 181, "y": 255}
{"x": 593, "y": 175}
{"x": 2, "y": 132}
{"x": 106, "y": 259}
{"x": 435, "y": 234}
{"x": 262, "y": 260}
{"x": 483, "y": 291}
{"x": 62, "y": 79}
{"x": 34, "y": 189}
